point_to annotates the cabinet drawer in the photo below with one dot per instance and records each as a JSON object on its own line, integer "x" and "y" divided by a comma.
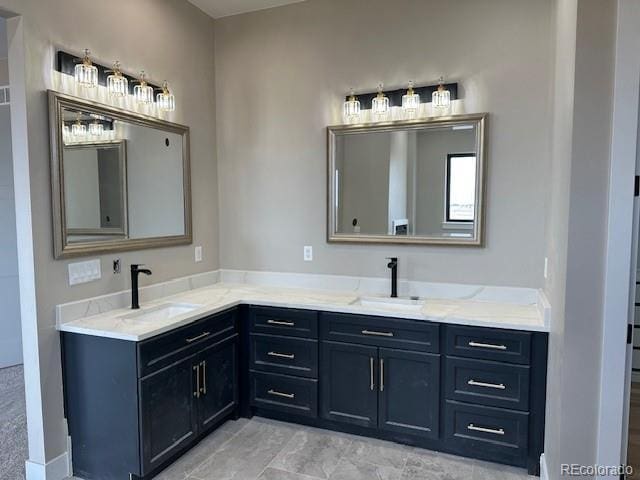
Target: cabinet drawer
{"x": 489, "y": 433}
{"x": 284, "y": 321}
{"x": 287, "y": 355}
{"x": 273, "y": 391}
{"x": 487, "y": 383}
{"x": 414, "y": 335}
{"x": 489, "y": 344}
{"x": 172, "y": 346}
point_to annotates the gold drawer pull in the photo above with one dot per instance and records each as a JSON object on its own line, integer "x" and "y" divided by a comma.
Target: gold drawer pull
{"x": 499, "y": 431}
{"x": 289, "y": 356}
{"x": 487, "y": 345}
{"x": 199, "y": 337}
{"x": 379, "y": 334}
{"x": 278, "y": 322}
{"x": 280, "y": 394}
{"x": 497, "y": 386}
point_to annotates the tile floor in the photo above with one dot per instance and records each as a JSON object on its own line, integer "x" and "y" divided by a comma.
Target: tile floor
{"x": 13, "y": 424}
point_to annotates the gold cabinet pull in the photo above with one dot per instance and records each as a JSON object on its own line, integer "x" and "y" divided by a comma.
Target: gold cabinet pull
{"x": 289, "y": 356}
{"x": 497, "y": 386}
{"x": 379, "y": 334}
{"x": 204, "y": 377}
{"x": 281, "y": 394}
{"x": 279, "y": 322}
{"x": 202, "y": 335}
{"x": 487, "y": 345}
{"x": 372, "y": 381}
{"x": 498, "y": 431}
{"x": 196, "y": 368}
{"x": 382, "y": 375}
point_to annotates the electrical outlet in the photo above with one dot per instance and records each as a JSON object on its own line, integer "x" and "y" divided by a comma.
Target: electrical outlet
{"x": 117, "y": 266}
{"x": 308, "y": 253}
{"x": 198, "y": 254}
{"x": 546, "y": 267}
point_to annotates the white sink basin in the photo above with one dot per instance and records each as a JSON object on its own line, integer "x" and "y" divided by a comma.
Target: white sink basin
{"x": 403, "y": 304}
{"x": 162, "y": 312}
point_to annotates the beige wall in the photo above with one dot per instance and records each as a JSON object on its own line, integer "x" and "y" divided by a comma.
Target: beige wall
{"x": 169, "y": 39}
{"x": 281, "y": 77}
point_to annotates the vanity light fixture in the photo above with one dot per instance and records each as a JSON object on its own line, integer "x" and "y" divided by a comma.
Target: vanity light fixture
{"x": 165, "y": 99}
{"x": 78, "y": 129}
{"x": 143, "y": 92}
{"x": 96, "y": 128}
{"x": 441, "y": 98}
{"x": 410, "y": 102}
{"x": 117, "y": 83}
{"x": 86, "y": 74}
{"x": 380, "y": 105}
{"x": 351, "y": 109}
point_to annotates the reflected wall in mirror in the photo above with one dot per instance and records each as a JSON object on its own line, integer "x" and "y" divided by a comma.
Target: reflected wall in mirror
{"x": 120, "y": 180}
{"x": 407, "y": 182}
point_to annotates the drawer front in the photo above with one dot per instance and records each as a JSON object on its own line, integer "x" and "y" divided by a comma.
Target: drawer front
{"x": 487, "y": 383}
{"x": 414, "y": 335}
{"x": 284, "y": 321}
{"x": 298, "y": 396}
{"x": 286, "y": 355}
{"x": 488, "y": 433}
{"x": 167, "y": 348}
{"x": 489, "y": 344}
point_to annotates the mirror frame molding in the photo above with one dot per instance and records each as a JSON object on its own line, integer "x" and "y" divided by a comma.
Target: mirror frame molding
{"x": 62, "y": 249}
{"x": 477, "y": 240}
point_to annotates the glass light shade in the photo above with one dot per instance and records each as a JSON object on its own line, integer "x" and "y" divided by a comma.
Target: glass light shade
{"x": 380, "y": 105}
{"x": 117, "y": 84}
{"x": 410, "y": 102}
{"x": 351, "y": 109}
{"x": 86, "y": 74}
{"x": 165, "y": 99}
{"x": 441, "y": 98}
{"x": 142, "y": 92}
{"x": 78, "y": 129}
{"x": 96, "y": 128}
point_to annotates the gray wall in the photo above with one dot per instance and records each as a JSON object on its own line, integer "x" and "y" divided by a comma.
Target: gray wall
{"x": 282, "y": 75}
{"x": 168, "y": 38}
{"x": 584, "y": 56}
{"x": 10, "y": 335}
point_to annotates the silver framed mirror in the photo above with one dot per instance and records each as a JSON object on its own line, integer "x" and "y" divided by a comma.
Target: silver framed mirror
{"x": 408, "y": 182}
{"x": 119, "y": 180}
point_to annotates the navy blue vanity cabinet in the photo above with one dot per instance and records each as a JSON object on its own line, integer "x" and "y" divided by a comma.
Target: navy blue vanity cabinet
{"x": 389, "y": 389}
{"x": 133, "y": 407}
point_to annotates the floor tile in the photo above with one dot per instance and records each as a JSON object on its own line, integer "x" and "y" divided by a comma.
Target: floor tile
{"x": 312, "y": 452}
{"x": 275, "y": 474}
{"x": 378, "y": 452}
{"x": 428, "y": 465}
{"x": 248, "y": 453}
{"x": 353, "y": 468}
{"x": 492, "y": 471}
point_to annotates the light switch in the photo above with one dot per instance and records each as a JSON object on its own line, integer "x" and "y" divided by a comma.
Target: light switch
{"x": 308, "y": 253}
{"x": 83, "y": 272}
{"x": 198, "y": 254}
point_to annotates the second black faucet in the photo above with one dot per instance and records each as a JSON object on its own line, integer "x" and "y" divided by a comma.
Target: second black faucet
{"x": 135, "y": 271}
{"x": 393, "y": 265}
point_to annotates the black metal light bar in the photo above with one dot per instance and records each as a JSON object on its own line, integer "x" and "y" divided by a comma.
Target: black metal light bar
{"x": 66, "y": 63}
{"x": 395, "y": 96}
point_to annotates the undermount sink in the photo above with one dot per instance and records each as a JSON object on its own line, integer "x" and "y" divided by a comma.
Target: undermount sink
{"x": 166, "y": 311}
{"x": 405, "y": 304}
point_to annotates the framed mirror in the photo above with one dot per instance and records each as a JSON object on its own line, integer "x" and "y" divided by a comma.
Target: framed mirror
{"x": 120, "y": 180}
{"x": 408, "y": 182}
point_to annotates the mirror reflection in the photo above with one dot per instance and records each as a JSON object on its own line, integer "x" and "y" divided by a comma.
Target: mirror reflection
{"x": 413, "y": 182}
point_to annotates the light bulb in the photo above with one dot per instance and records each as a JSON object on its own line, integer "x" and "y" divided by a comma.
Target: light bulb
{"x": 86, "y": 74}
{"x": 142, "y": 92}
{"x": 410, "y": 102}
{"x": 351, "y": 109}
{"x": 380, "y": 105}
{"x": 117, "y": 83}
{"x": 441, "y": 99}
{"x": 78, "y": 129}
{"x": 96, "y": 128}
{"x": 165, "y": 99}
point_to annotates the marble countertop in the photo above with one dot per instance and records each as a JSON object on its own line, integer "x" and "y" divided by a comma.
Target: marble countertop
{"x": 221, "y": 296}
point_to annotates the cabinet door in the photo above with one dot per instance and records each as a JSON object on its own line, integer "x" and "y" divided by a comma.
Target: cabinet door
{"x": 219, "y": 381}
{"x": 349, "y": 383}
{"x": 168, "y": 413}
{"x": 409, "y": 392}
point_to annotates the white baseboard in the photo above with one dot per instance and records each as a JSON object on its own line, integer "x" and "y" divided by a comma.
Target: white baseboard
{"x": 544, "y": 473}
{"x": 56, "y": 469}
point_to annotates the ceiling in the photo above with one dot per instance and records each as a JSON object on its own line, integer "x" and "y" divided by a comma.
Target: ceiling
{"x": 225, "y": 8}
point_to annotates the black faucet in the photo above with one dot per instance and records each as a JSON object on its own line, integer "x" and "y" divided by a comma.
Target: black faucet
{"x": 393, "y": 265}
{"x": 135, "y": 271}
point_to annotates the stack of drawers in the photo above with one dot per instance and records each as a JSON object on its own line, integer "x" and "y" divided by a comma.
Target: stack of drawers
{"x": 284, "y": 360}
{"x": 487, "y": 393}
